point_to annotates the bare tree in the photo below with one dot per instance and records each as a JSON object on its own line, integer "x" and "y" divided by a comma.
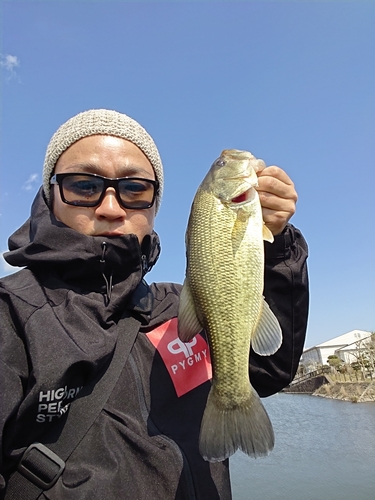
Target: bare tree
{"x": 364, "y": 355}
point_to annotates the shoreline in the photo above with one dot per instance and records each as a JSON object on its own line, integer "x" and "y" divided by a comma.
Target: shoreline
{"x": 355, "y": 392}
{"x": 323, "y": 386}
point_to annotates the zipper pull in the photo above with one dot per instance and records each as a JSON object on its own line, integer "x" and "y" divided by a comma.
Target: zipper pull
{"x": 145, "y": 267}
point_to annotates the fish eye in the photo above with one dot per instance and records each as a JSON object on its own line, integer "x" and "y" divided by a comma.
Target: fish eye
{"x": 220, "y": 163}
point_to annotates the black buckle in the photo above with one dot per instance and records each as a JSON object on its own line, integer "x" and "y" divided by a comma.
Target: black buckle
{"x": 41, "y": 466}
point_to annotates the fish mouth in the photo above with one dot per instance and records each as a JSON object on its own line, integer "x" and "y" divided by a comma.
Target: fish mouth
{"x": 244, "y": 197}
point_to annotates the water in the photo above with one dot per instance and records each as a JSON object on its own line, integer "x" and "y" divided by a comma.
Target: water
{"x": 324, "y": 450}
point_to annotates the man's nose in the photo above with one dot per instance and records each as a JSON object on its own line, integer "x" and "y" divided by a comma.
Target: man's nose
{"x": 110, "y": 208}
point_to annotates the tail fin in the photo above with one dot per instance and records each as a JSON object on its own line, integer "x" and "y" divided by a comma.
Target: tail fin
{"x": 246, "y": 427}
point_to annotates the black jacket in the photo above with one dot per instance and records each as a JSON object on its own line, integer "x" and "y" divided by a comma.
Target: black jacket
{"x": 59, "y": 328}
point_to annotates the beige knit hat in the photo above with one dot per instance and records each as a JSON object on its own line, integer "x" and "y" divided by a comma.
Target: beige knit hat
{"x": 102, "y": 122}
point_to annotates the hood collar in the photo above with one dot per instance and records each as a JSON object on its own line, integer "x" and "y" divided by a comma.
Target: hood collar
{"x": 46, "y": 245}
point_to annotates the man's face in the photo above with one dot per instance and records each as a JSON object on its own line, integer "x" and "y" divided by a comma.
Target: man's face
{"x": 109, "y": 157}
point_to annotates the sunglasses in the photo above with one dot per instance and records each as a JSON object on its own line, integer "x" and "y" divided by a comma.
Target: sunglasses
{"x": 88, "y": 190}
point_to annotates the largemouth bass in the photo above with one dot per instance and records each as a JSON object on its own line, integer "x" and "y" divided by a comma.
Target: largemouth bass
{"x": 223, "y": 294}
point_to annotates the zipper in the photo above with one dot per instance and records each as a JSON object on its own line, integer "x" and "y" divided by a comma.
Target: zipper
{"x": 108, "y": 281}
{"x": 145, "y": 266}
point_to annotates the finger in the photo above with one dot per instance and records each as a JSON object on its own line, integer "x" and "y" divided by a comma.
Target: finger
{"x": 275, "y": 220}
{"x": 270, "y": 186}
{"x": 276, "y": 181}
{"x": 275, "y": 216}
{"x": 277, "y": 203}
{"x": 277, "y": 173}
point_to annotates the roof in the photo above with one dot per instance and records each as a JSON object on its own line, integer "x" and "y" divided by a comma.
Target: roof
{"x": 354, "y": 345}
{"x": 342, "y": 340}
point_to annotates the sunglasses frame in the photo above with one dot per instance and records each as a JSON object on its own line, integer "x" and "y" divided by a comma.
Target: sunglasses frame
{"x": 108, "y": 182}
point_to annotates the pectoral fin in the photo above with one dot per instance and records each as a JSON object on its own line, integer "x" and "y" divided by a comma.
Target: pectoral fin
{"x": 268, "y": 336}
{"x": 267, "y": 234}
{"x": 188, "y": 322}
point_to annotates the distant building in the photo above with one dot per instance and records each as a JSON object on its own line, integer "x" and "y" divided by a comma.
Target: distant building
{"x": 342, "y": 346}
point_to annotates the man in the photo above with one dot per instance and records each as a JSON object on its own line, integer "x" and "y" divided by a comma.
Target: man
{"x": 87, "y": 247}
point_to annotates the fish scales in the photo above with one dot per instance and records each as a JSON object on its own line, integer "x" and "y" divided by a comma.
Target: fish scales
{"x": 218, "y": 262}
{"x": 222, "y": 293}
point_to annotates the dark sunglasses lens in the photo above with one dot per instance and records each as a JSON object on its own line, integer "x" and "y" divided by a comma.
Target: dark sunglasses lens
{"x": 82, "y": 190}
{"x": 136, "y": 193}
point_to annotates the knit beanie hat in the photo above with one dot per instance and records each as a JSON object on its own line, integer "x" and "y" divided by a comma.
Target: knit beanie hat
{"x": 102, "y": 122}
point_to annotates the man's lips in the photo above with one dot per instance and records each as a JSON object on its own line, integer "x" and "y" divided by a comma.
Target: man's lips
{"x": 110, "y": 233}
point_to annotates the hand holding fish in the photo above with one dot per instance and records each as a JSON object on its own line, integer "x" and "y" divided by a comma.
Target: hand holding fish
{"x": 277, "y": 196}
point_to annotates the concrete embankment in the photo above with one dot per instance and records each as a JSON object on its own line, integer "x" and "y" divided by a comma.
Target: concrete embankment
{"x": 356, "y": 392}
{"x": 323, "y": 386}
{"x": 308, "y": 386}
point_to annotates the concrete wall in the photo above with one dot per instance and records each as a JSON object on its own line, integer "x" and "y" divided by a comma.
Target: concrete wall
{"x": 307, "y": 386}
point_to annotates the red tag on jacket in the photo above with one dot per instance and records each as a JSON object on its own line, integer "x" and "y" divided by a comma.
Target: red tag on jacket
{"x": 188, "y": 364}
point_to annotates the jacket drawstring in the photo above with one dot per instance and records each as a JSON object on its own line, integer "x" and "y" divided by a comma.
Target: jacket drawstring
{"x": 108, "y": 282}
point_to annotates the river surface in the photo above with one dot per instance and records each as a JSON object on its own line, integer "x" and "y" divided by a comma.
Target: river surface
{"x": 324, "y": 450}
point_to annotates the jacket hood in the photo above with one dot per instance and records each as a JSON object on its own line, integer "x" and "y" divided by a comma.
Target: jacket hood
{"x": 87, "y": 263}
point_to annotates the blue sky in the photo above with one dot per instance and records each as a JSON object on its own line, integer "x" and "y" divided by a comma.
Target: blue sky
{"x": 291, "y": 81}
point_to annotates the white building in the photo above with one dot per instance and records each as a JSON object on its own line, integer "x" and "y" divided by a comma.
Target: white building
{"x": 339, "y": 346}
